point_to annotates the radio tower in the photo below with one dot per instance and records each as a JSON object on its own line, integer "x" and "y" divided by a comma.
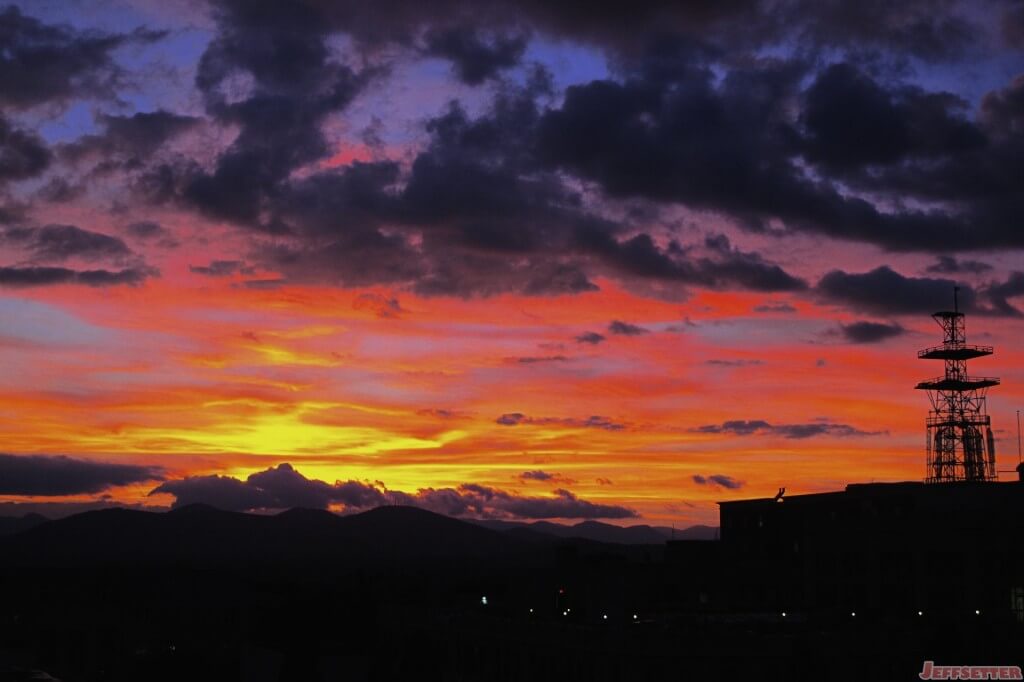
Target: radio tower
{"x": 956, "y": 445}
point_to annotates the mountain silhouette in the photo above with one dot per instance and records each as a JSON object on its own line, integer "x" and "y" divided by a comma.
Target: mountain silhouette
{"x": 201, "y": 533}
{"x": 9, "y": 525}
{"x": 603, "y": 532}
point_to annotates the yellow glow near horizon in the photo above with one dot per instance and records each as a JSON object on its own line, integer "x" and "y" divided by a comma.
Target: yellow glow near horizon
{"x": 293, "y": 432}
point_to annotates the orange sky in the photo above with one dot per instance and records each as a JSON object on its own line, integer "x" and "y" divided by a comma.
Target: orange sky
{"x": 203, "y": 377}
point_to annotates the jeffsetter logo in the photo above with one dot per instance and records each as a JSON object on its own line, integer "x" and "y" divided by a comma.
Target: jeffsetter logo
{"x": 930, "y": 671}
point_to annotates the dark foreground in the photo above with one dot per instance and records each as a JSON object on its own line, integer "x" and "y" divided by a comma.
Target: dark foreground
{"x": 398, "y": 594}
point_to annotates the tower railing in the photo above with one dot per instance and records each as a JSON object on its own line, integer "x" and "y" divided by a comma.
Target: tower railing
{"x": 981, "y": 350}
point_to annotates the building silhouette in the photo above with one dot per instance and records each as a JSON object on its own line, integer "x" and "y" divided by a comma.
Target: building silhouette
{"x": 951, "y": 547}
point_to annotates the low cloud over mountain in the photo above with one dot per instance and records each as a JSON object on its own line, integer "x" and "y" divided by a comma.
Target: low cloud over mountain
{"x": 283, "y": 487}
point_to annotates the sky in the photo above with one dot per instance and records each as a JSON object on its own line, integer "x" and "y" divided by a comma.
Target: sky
{"x": 496, "y": 259}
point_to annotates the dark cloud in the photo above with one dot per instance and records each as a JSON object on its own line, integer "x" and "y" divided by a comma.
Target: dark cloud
{"x": 152, "y": 233}
{"x": 59, "y": 475}
{"x": 477, "y": 213}
{"x": 625, "y": 328}
{"x": 33, "y": 276}
{"x": 476, "y": 57}
{"x": 220, "y": 491}
{"x": 999, "y": 293}
{"x": 565, "y": 505}
{"x": 820, "y": 429}
{"x": 58, "y": 243}
{"x": 666, "y": 133}
{"x": 932, "y": 30}
{"x": 12, "y": 211}
{"x": 718, "y": 266}
{"x": 60, "y": 191}
{"x": 976, "y": 188}
{"x": 382, "y": 306}
{"x": 738, "y": 362}
{"x": 441, "y": 413}
{"x": 513, "y": 198}
{"x": 885, "y": 291}
{"x": 1013, "y": 26}
{"x": 817, "y": 141}
{"x": 283, "y": 487}
{"x": 719, "y": 480}
{"x": 41, "y": 63}
{"x": 928, "y": 29}
{"x": 592, "y": 422}
{"x": 1003, "y": 111}
{"x": 295, "y": 84}
{"x": 774, "y": 308}
{"x": 870, "y": 332}
{"x": 222, "y": 268}
{"x": 278, "y": 487}
{"x": 740, "y": 427}
{"x": 61, "y": 243}
{"x": 591, "y": 338}
{"x": 672, "y": 132}
{"x": 264, "y": 284}
{"x": 536, "y": 359}
{"x": 747, "y": 270}
{"x": 23, "y": 154}
{"x": 951, "y": 265}
{"x": 492, "y": 220}
{"x": 547, "y": 477}
{"x": 852, "y": 121}
{"x": 146, "y": 230}
{"x": 129, "y": 139}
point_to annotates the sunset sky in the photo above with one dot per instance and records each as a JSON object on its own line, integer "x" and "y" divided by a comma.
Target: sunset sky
{"x": 497, "y": 259}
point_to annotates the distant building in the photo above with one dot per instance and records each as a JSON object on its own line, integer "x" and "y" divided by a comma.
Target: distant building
{"x": 893, "y": 550}
{"x": 949, "y": 548}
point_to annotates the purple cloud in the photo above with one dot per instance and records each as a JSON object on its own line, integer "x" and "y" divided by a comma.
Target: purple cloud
{"x": 284, "y": 487}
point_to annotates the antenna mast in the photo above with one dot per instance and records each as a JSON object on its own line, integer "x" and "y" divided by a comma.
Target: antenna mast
{"x": 1018, "y": 437}
{"x": 960, "y": 445}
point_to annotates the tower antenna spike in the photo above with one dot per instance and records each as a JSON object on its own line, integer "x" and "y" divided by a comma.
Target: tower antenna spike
{"x": 1018, "y": 437}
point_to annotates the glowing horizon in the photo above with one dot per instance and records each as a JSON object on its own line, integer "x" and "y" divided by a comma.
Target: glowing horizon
{"x": 654, "y": 275}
